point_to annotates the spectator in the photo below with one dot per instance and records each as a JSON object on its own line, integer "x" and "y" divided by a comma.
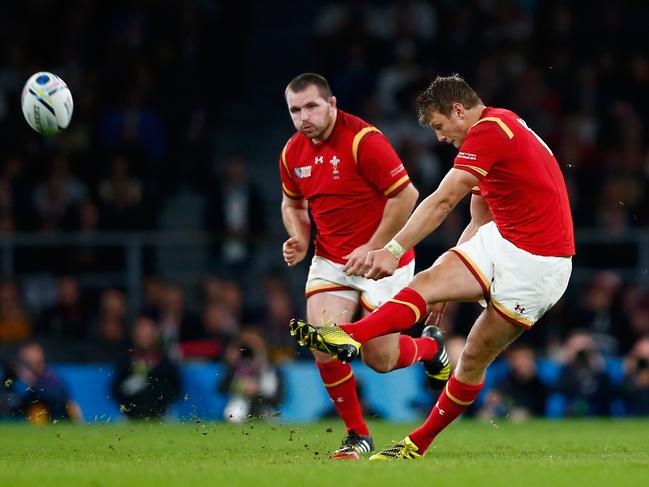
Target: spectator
{"x": 583, "y": 380}
{"x": 153, "y": 289}
{"x": 520, "y": 394}
{"x": 638, "y": 315}
{"x": 277, "y": 311}
{"x": 254, "y": 385}
{"x": 177, "y": 323}
{"x": 56, "y": 196}
{"x": 236, "y": 218}
{"x": 219, "y": 327}
{"x": 635, "y": 389}
{"x": 396, "y": 77}
{"x": 599, "y": 312}
{"x": 68, "y": 318}
{"x": 226, "y": 292}
{"x": 90, "y": 257}
{"x": 121, "y": 197}
{"x": 211, "y": 289}
{"x": 15, "y": 323}
{"x": 110, "y": 327}
{"x": 147, "y": 382}
{"x": 353, "y": 78}
{"x": 45, "y": 397}
{"x": 404, "y": 19}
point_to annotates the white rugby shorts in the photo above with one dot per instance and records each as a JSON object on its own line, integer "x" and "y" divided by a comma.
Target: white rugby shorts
{"x": 326, "y": 276}
{"x": 521, "y": 286}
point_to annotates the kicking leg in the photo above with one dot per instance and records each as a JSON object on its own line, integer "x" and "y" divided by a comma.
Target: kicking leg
{"x": 447, "y": 280}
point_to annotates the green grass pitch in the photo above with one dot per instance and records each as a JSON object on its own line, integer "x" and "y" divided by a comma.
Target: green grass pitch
{"x": 469, "y": 453}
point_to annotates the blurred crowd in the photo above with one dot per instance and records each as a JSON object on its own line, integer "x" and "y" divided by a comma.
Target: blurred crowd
{"x": 151, "y": 87}
{"x": 96, "y": 328}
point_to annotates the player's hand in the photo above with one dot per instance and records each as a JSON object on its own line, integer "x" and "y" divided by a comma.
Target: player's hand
{"x": 356, "y": 265}
{"x": 381, "y": 263}
{"x": 294, "y": 251}
{"x": 436, "y": 314}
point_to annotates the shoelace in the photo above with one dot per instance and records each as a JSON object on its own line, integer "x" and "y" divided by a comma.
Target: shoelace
{"x": 331, "y": 320}
{"x": 354, "y": 443}
{"x": 400, "y": 450}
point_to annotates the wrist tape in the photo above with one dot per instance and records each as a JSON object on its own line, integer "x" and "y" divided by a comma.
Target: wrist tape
{"x": 395, "y": 248}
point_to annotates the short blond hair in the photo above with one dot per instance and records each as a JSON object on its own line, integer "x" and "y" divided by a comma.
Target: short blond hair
{"x": 442, "y": 93}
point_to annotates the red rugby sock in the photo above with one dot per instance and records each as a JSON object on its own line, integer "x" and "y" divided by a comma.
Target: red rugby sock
{"x": 398, "y": 314}
{"x": 340, "y": 382}
{"x": 413, "y": 350}
{"x": 452, "y": 402}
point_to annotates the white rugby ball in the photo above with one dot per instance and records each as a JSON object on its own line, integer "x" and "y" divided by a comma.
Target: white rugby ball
{"x": 47, "y": 103}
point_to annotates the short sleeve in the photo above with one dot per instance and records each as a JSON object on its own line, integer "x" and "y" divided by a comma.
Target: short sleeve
{"x": 289, "y": 186}
{"x": 481, "y": 149}
{"x": 380, "y": 165}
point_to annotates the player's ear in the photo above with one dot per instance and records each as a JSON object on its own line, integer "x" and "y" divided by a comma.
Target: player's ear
{"x": 459, "y": 110}
{"x": 332, "y": 101}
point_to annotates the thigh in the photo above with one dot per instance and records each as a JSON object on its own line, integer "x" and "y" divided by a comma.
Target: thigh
{"x": 375, "y": 293}
{"x": 489, "y": 336}
{"x": 448, "y": 279}
{"x": 326, "y": 308}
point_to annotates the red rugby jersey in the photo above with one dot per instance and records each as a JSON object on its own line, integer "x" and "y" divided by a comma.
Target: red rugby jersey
{"x": 521, "y": 182}
{"x": 347, "y": 179}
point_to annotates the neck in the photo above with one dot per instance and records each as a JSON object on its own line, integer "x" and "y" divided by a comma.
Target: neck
{"x": 472, "y": 115}
{"x": 327, "y": 133}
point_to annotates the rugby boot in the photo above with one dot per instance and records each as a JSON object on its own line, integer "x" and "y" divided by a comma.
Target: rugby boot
{"x": 328, "y": 339}
{"x": 404, "y": 450}
{"x": 353, "y": 446}
{"x": 438, "y": 369}
{"x": 300, "y": 330}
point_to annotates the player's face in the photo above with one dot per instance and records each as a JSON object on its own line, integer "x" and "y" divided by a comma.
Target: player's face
{"x": 311, "y": 114}
{"x": 451, "y": 129}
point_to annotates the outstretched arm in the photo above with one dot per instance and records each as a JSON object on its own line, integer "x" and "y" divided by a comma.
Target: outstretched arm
{"x": 395, "y": 214}
{"x": 295, "y": 215}
{"x": 430, "y": 213}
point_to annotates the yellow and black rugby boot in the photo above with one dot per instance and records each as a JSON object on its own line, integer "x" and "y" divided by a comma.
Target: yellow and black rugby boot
{"x": 335, "y": 342}
{"x": 354, "y": 445}
{"x": 300, "y": 330}
{"x": 404, "y": 450}
{"x": 438, "y": 369}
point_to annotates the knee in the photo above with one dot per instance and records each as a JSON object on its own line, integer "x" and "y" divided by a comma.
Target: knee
{"x": 429, "y": 283}
{"x": 426, "y": 278}
{"x": 378, "y": 359}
